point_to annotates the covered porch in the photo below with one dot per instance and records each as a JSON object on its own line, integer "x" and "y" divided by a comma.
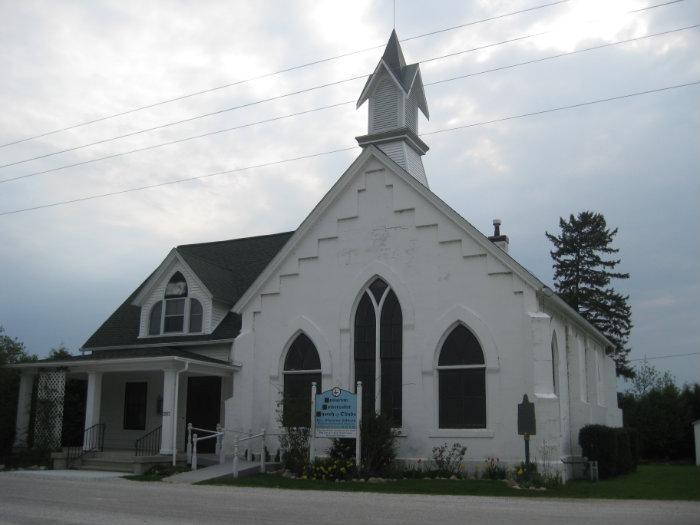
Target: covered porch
{"x": 137, "y": 404}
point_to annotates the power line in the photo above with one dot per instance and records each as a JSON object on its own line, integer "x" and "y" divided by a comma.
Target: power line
{"x": 552, "y": 110}
{"x": 339, "y": 104}
{"x": 281, "y": 71}
{"x": 301, "y": 91}
{"x": 347, "y": 148}
{"x": 665, "y": 356}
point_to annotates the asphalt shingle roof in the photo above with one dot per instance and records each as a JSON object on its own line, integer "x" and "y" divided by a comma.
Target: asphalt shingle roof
{"x": 227, "y": 269}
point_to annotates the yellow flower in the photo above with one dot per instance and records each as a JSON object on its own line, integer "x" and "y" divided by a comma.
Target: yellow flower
{"x": 520, "y": 472}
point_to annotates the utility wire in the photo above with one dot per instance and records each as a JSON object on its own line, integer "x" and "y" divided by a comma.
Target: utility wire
{"x": 552, "y": 110}
{"x": 281, "y": 71}
{"x": 339, "y": 104}
{"x": 665, "y": 356}
{"x": 301, "y": 91}
{"x": 347, "y": 148}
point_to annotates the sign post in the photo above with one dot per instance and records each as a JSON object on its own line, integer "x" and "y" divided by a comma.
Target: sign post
{"x": 526, "y": 424}
{"x": 312, "y": 432}
{"x": 358, "y": 426}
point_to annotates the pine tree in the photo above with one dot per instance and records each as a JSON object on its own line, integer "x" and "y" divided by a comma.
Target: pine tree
{"x": 582, "y": 276}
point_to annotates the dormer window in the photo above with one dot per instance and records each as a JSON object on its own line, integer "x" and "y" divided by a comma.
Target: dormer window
{"x": 178, "y": 307}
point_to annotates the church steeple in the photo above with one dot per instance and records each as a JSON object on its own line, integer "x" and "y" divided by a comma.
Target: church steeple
{"x": 395, "y": 93}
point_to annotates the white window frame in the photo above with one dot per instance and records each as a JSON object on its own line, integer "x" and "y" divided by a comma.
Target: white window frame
{"x": 441, "y": 343}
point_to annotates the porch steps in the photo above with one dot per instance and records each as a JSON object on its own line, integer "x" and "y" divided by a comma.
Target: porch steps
{"x": 245, "y": 468}
{"x": 122, "y": 461}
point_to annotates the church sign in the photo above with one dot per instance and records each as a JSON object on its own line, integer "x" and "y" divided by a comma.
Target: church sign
{"x": 335, "y": 414}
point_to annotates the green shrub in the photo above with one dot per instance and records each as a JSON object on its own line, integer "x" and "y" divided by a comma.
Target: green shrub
{"x": 378, "y": 443}
{"x": 449, "y": 461}
{"x": 494, "y": 469}
{"x": 295, "y": 449}
{"x": 612, "y": 448}
{"x": 527, "y": 476}
{"x": 329, "y": 469}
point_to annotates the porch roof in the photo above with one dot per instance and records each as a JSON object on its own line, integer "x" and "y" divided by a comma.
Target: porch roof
{"x": 135, "y": 359}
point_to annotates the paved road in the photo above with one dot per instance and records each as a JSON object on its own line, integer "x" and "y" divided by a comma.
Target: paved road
{"x": 35, "y": 498}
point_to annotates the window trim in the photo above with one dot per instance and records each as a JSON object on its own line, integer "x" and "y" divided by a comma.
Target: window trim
{"x": 486, "y": 430}
{"x": 186, "y": 313}
{"x": 378, "y": 306}
{"x": 285, "y": 373}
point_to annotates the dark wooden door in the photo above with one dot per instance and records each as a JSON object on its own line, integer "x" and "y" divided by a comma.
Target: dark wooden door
{"x": 204, "y": 407}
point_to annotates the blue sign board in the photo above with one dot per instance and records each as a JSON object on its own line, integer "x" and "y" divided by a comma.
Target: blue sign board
{"x": 336, "y": 414}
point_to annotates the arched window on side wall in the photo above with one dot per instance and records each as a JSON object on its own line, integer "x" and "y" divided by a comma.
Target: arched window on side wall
{"x": 461, "y": 381}
{"x": 378, "y": 350}
{"x": 555, "y": 365}
{"x": 302, "y": 366}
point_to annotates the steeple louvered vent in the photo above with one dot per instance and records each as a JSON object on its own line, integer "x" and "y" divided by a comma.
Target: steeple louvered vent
{"x": 395, "y": 94}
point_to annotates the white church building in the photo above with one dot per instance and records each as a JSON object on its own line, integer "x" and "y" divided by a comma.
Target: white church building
{"x": 382, "y": 282}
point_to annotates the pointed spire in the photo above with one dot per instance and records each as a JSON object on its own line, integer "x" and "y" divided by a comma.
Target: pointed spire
{"x": 393, "y": 55}
{"x": 395, "y": 93}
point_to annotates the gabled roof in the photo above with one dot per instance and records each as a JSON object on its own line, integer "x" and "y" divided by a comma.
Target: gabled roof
{"x": 227, "y": 269}
{"x": 488, "y": 246}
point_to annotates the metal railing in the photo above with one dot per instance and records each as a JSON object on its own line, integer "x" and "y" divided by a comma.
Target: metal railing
{"x": 237, "y": 441}
{"x": 93, "y": 441}
{"x": 148, "y": 444}
{"x": 193, "y": 439}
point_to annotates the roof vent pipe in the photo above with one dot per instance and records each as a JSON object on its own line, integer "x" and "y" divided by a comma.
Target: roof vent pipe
{"x": 499, "y": 240}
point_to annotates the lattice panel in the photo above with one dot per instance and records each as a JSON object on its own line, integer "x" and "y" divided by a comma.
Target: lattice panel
{"x": 48, "y": 418}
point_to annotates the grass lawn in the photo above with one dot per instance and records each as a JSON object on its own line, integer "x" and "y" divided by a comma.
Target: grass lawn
{"x": 668, "y": 482}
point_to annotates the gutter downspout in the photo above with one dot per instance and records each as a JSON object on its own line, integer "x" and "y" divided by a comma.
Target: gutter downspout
{"x": 175, "y": 407}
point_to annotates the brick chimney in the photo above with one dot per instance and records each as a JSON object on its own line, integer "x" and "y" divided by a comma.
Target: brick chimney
{"x": 499, "y": 240}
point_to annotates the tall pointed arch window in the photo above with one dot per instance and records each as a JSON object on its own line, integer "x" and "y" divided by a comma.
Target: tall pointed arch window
{"x": 302, "y": 366}
{"x": 555, "y": 365}
{"x": 176, "y": 312}
{"x": 378, "y": 349}
{"x": 461, "y": 381}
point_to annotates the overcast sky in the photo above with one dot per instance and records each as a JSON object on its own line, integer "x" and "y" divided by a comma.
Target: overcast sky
{"x": 64, "y": 269}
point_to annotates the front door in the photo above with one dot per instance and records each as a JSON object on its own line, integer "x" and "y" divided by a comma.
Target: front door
{"x": 204, "y": 407}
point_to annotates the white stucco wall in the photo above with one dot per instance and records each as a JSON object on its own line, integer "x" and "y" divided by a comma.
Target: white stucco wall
{"x": 380, "y": 226}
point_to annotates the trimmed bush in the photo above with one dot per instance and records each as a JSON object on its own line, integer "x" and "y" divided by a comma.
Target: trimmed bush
{"x": 613, "y": 448}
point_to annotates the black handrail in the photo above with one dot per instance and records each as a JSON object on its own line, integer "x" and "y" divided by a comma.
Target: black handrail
{"x": 93, "y": 441}
{"x": 148, "y": 444}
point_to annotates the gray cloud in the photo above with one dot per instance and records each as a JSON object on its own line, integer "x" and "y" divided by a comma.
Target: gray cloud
{"x": 637, "y": 161}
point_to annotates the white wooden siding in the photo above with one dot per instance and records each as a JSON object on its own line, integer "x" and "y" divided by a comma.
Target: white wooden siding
{"x": 194, "y": 290}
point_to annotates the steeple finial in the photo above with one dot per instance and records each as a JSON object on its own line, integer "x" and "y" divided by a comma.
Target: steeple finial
{"x": 395, "y": 93}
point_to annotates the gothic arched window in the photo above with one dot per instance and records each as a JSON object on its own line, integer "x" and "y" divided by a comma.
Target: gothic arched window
{"x": 378, "y": 339}
{"x": 555, "y": 365}
{"x": 302, "y": 366}
{"x": 170, "y": 318}
{"x": 461, "y": 381}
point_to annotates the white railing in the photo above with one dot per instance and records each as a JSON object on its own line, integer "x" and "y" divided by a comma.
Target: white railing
{"x": 193, "y": 439}
{"x": 237, "y": 441}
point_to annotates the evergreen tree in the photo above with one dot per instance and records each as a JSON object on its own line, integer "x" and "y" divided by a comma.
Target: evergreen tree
{"x": 583, "y": 271}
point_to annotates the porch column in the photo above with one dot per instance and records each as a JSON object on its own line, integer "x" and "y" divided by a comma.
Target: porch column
{"x": 24, "y": 406}
{"x": 93, "y": 401}
{"x": 166, "y": 432}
